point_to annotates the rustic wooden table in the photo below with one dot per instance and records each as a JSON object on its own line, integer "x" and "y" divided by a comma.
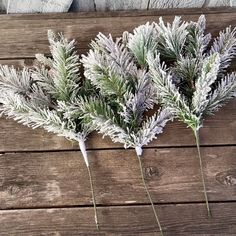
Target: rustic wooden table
{"x": 44, "y": 187}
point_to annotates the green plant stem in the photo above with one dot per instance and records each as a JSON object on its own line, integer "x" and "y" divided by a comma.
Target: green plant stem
{"x": 93, "y": 197}
{"x": 149, "y": 196}
{"x": 196, "y": 134}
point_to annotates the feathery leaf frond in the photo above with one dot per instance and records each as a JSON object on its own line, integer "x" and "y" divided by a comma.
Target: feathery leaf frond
{"x": 203, "y": 84}
{"x": 225, "y": 45}
{"x": 44, "y": 96}
{"x": 226, "y": 89}
{"x": 171, "y": 38}
{"x": 124, "y": 85}
{"x": 189, "y": 77}
{"x": 142, "y": 41}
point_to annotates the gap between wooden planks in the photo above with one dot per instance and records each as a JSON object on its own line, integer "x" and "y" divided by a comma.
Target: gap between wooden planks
{"x": 47, "y": 179}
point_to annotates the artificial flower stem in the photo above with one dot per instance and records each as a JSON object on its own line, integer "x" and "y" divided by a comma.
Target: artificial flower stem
{"x": 93, "y": 198}
{"x": 149, "y": 195}
{"x": 196, "y": 134}
{"x": 85, "y": 156}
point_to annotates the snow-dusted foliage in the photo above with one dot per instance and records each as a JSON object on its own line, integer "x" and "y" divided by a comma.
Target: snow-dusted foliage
{"x": 41, "y": 97}
{"x": 32, "y": 97}
{"x": 118, "y": 69}
{"x": 189, "y": 72}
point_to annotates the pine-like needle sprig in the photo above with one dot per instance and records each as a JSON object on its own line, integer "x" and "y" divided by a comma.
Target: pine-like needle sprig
{"x": 194, "y": 82}
{"x": 42, "y": 96}
{"x": 118, "y": 69}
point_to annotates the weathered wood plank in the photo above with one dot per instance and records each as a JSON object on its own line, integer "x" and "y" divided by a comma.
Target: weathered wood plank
{"x": 29, "y": 6}
{"x": 60, "y": 179}
{"x": 128, "y": 13}
{"x": 233, "y": 3}
{"x": 110, "y": 5}
{"x": 2, "y": 8}
{"x": 218, "y": 130}
{"x": 177, "y": 220}
{"x": 216, "y": 3}
{"x": 19, "y": 63}
{"x": 83, "y": 5}
{"x": 156, "y": 4}
{"x": 32, "y": 6}
{"x": 176, "y": 4}
{"x": 83, "y": 29}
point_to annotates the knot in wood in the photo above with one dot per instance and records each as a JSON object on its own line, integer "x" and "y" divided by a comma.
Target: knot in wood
{"x": 230, "y": 180}
{"x": 13, "y": 189}
{"x": 151, "y": 172}
{"x": 227, "y": 178}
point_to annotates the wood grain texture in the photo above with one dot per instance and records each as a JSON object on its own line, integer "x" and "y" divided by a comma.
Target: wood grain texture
{"x": 2, "y": 7}
{"x": 152, "y": 12}
{"x": 110, "y": 5}
{"x": 233, "y": 3}
{"x": 61, "y": 179}
{"x": 19, "y": 63}
{"x": 32, "y": 6}
{"x": 83, "y": 29}
{"x": 218, "y": 130}
{"x": 177, "y": 220}
{"x": 83, "y": 5}
{"x": 176, "y": 4}
{"x": 216, "y": 3}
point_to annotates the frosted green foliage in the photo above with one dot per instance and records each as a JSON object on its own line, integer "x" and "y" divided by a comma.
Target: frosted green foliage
{"x": 171, "y": 38}
{"x": 168, "y": 93}
{"x": 64, "y": 68}
{"x": 10, "y": 80}
{"x": 207, "y": 76}
{"x": 142, "y": 41}
{"x": 194, "y": 82}
{"x": 117, "y": 69}
{"x": 226, "y": 89}
{"x": 43, "y": 96}
{"x": 225, "y": 45}
{"x": 196, "y": 39}
{"x": 35, "y": 97}
{"x": 189, "y": 73}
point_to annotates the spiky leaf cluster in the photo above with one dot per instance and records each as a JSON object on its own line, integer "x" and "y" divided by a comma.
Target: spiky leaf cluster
{"x": 118, "y": 69}
{"x": 189, "y": 69}
{"x": 39, "y": 97}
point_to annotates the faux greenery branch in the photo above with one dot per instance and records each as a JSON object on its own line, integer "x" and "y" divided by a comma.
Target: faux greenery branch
{"x": 118, "y": 69}
{"x": 188, "y": 69}
{"x": 40, "y": 97}
{"x": 177, "y": 66}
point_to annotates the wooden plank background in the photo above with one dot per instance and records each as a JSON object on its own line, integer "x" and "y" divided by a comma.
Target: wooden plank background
{"x": 32, "y": 6}
{"x": 44, "y": 188}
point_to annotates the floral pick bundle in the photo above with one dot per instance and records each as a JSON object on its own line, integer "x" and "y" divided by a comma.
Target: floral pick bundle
{"x": 39, "y": 97}
{"x": 177, "y": 65}
{"x": 125, "y": 94}
{"x": 189, "y": 73}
